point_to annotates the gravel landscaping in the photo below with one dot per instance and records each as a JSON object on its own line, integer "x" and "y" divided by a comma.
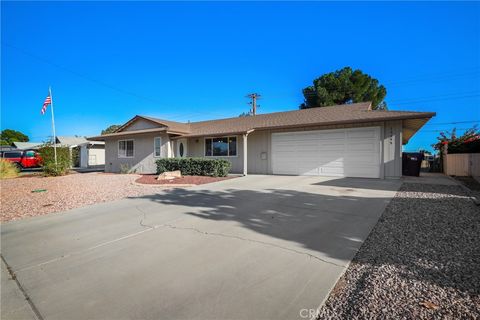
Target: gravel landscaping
{"x": 421, "y": 261}
{"x": 64, "y": 193}
{"x": 472, "y": 184}
{"x": 185, "y": 180}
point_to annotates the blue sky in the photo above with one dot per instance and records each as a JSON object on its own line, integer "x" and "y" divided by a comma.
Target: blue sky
{"x": 107, "y": 61}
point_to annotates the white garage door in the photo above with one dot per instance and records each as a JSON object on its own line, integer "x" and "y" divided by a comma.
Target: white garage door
{"x": 341, "y": 152}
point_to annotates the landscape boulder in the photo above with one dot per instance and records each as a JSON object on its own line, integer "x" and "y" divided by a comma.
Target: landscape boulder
{"x": 169, "y": 175}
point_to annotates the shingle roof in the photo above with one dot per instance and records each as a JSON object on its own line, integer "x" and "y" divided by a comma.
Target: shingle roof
{"x": 342, "y": 114}
{"x": 169, "y": 125}
{"x": 353, "y": 113}
{"x": 172, "y": 125}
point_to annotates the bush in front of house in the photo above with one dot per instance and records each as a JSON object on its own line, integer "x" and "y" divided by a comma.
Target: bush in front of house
{"x": 7, "y": 169}
{"x": 47, "y": 154}
{"x": 195, "y": 166}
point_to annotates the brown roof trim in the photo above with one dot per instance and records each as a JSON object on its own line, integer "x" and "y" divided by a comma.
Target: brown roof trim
{"x": 419, "y": 115}
{"x": 166, "y": 123}
{"x": 129, "y": 122}
{"x": 329, "y": 123}
{"x": 220, "y": 134}
{"x": 178, "y": 133}
{"x": 126, "y": 133}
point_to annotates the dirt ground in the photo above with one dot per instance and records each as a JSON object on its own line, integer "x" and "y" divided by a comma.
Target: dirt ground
{"x": 32, "y": 195}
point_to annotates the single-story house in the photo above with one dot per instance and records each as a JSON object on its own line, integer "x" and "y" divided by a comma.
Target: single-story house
{"x": 91, "y": 153}
{"x": 345, "y": 141}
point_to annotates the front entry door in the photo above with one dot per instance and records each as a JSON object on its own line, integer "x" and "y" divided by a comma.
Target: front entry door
{"x": 181, "y": 148}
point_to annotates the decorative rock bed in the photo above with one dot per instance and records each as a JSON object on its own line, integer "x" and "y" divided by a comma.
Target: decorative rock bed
{"x": 421, "y": 261}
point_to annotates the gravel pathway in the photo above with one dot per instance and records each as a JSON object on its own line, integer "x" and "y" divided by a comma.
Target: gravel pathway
{"x": 421, "y": 261}
{"x": 63, "y": 193}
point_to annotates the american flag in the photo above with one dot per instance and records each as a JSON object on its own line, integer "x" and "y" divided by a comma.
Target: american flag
{"x": 47, "y": 101}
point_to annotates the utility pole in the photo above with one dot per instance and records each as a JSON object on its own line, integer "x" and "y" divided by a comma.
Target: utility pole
{"x": 253, "y": 103}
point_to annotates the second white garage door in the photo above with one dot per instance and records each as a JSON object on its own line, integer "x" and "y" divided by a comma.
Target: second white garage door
{"x": 341, "y": 152}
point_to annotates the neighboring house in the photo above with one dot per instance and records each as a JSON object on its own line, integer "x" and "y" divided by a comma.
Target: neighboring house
{"x": 70, "y": 141}
{"x": 345, "y": 141}
{"x": 92, "y": 153}
{"x": 7, "y": 148}
{"x": 27, "y": 145}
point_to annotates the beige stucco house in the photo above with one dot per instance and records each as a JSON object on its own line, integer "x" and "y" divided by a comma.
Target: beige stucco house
{"x": 345, "y": 141}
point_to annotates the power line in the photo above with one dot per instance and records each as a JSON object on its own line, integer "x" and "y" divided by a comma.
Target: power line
{"x": 448, "y": 95}
{"x": 456, "y": 122}
{"x": 189, "y": 116}
{"x": 102, "y": 83}
{"x": 434, "y": 77}
{"x": 80, "y": 74}
{"x": 430, "y": 98}
{"x": 444, "y": 130}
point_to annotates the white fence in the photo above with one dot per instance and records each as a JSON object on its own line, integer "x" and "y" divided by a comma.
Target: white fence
{"x": 462, "y": 164}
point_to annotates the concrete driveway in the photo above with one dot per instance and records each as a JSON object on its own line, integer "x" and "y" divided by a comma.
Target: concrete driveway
{"x": 256, "y": 247}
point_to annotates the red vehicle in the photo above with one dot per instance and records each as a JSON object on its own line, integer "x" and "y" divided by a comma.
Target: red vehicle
{"x": 23, "y": 158}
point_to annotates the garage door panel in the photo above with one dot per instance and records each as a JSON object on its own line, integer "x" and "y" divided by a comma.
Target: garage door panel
{"x": 325, "y": 148}
{"x": 325, "y": 159}
{"x": 361, "y": 161}
{"x": 331, "y": 164}
{"x": 342, "y": 152}
{"x": 362, "y": 147}
{"x": 331, "y": 136}
{"x": 361, "y": 134}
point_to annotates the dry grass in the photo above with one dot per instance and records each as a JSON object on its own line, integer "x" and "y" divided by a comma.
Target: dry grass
{"x": 7, "y": 169}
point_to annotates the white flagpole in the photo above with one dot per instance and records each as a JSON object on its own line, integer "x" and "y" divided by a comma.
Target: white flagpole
{"x": 53, "y": 127}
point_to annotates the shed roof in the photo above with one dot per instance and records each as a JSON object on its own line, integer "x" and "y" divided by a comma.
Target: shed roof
{"x": 27, "y": 145}
{"x": 71, "y": 140}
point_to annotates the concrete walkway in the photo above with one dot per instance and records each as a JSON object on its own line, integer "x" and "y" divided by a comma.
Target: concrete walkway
{"x": 431, "y": 178}
{"x": 256, "y": 247}
{"x": 14, "y": 303}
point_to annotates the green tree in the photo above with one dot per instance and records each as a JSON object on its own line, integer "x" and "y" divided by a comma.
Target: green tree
{"x": 111, "y": 129}
{"x": 342, "y": 87}
{"x": 8, "y": 136}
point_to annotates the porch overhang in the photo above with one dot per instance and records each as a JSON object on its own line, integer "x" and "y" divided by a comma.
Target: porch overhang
{"x": 213, "y": 135}
{"x": 126, "y": 133}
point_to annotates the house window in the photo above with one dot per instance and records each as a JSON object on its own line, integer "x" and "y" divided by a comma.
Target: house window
{"x": 157, "y": 144}
{"x": 221, "y": 147}
{"x": 125, "y": 148}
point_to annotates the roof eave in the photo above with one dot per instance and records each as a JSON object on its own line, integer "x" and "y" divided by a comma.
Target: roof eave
{"x": 410, "y": 127}
{"x": 218, "y": 134}
{"x": 126, "y": 133}
{"x": 426, "y": 115}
